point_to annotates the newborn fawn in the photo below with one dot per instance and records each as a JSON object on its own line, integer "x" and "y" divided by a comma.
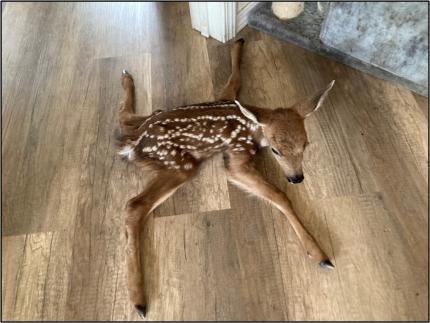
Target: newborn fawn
{"x": 172, "y": 144}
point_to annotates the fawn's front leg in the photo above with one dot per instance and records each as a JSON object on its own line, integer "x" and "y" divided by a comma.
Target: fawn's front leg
{"x": 138, "y": 208}
{"x": 242, "y": 172}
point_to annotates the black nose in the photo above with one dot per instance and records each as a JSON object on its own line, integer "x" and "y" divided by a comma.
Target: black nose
{"x": 296, "y": 179}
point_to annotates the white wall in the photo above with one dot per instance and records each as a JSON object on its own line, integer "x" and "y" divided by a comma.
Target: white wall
{"x": 219, "y": 20}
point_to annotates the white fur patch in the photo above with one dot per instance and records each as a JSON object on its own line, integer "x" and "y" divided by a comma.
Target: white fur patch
{"x": 128, "y": 152}
{"x": 264, "y": 142}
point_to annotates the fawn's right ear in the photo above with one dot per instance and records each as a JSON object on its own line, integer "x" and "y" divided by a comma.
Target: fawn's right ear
{"x": 306, "y": 107}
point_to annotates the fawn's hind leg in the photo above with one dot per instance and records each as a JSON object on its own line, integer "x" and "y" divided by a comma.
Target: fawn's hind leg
{"x": 128, "y": 120}
{"x": 163, "y": 185}
{"x": 233, "y": 85}
{"x": 127, "y": 108}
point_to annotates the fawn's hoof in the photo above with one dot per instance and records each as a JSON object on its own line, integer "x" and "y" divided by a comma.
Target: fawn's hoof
{"x": 326, "y": 264}
{"x": 141, "y": 310}
{"x": 241, "y": 40}
{"x": 124, "y": 72}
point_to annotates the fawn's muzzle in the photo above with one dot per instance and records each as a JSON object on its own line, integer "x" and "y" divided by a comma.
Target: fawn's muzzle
{"x": 296, "y": 179}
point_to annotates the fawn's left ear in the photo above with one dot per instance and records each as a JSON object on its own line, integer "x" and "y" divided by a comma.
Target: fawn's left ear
{"x": 306, "y": 107}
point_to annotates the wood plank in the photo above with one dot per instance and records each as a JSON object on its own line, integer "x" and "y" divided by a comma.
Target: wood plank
{"x": 45, "y": 156}
{"x": 69, "y": 33}
{"x": 35, "y": 276}
{"x": 203, "y": 267}
{"x": 380, "y": 277}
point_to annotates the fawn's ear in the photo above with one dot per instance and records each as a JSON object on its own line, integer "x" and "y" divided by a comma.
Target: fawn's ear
{"x": 306, "y": 107}
{"x": 247, "y": 113}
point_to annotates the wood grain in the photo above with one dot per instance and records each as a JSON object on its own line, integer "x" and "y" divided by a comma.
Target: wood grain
{"x": 423, "y": 103}
{"x": 35, "y": 275}
{"x": 211, "y": 251}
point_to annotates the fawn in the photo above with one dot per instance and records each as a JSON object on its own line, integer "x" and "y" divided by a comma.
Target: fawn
{"x": 172, "y": 144}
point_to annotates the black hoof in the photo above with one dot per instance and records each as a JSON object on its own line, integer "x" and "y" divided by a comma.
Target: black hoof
{"x": 141, "y": 310}
{"x": 326, "y": 264}
{"x": 241, "y": 40}
{"x": 124, "y": 72}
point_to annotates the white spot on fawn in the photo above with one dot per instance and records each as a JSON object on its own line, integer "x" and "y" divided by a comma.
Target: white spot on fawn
{"x": 188, "y": 166}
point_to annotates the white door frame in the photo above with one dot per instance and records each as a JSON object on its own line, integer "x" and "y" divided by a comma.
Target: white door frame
{"x": 220, "y": 20}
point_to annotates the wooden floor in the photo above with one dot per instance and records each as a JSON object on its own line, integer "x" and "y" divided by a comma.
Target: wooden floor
{"x": 212, "y": 251}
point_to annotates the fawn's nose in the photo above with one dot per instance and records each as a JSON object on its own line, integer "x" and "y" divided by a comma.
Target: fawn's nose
{"x": 296, "y": 179}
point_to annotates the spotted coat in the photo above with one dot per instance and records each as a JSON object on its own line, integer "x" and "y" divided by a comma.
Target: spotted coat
{"x": 181, "y": 137}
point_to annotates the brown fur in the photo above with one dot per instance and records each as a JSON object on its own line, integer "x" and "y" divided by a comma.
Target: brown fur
{"x": 160, "y": 144}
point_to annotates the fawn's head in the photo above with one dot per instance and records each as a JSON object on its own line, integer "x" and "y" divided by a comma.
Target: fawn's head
{"x": 284, "y": 131}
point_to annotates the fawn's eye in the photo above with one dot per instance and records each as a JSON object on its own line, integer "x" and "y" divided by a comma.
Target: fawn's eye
{"x": 276, "y": 152}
